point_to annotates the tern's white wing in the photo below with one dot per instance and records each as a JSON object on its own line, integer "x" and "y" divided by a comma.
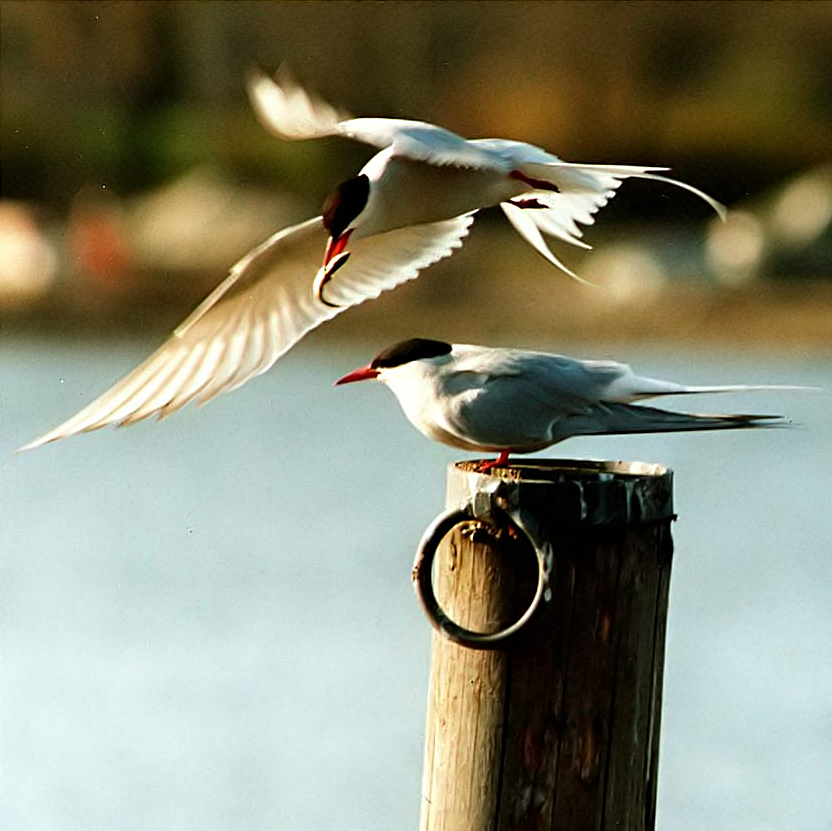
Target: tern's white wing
{"x": 543, "y": 385}
{"x": 572, "y": 383}
{"x": 503, "y": 398}
{"x": 291, "y": 113}
{"x": 262, "y": 309}
{"x": 422, "y": 142}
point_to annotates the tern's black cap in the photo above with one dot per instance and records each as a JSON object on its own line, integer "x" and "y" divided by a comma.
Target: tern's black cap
{"x": 344, "y": 204}
{"x": 406, "y": 351}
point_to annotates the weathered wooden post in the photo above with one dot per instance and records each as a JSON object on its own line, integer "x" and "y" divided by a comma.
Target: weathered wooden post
{"x": 554, "y": 727}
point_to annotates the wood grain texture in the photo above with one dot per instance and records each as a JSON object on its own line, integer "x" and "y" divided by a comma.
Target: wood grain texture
{"x": 475, "y": 583}
{"x": 559, "y": 731}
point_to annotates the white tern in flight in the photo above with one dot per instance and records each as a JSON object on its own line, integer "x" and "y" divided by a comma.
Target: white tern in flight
{"x": 425, "y": 174}
{"x": 515, "y": 401}
{"x": 409, "y": 207}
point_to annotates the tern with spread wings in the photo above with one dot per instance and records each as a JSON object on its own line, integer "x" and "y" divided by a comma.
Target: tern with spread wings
{"x": 410, "y": 206}
{"x": 425, "y": 173}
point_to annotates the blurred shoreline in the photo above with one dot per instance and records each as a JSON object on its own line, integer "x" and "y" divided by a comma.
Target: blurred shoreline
{"x": 140, "y": 265}
{"x": 139, "y": 268}
{"x": 160, "y": 177}
{"x": 793, "y": 317}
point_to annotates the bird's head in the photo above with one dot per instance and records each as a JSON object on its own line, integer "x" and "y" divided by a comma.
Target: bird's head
{"x": 340, "y": 210}
{"x": 398, "y": 360}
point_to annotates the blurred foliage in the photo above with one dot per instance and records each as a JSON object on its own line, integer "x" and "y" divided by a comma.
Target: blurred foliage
{"x": 734, "y": 96}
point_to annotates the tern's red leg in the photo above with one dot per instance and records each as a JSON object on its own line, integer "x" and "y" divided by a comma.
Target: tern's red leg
{"x": 500, "y": 461}
{"x": 537, "y": 184}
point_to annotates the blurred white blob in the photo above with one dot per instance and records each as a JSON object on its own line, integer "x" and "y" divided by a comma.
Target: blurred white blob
{"x": 28, "y": 261}
{"x": 734, "y": 249}
{"x": 202, "y": 221}
{"x": 627, "y": 272}
{"x": 784, "y": 233}
{"x": 803, "y": 210}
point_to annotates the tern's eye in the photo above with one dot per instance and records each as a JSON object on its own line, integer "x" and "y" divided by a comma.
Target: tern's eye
{"x": 344, "y": 204}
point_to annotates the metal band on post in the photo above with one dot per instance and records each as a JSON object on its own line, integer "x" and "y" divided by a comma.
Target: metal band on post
{"x": 499, "y": 511}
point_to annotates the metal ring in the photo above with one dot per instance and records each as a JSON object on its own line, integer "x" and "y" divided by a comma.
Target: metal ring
{"x": 423, "y": 581}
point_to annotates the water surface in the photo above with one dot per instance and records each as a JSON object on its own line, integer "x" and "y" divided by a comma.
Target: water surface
{"x": 208, "y": 623}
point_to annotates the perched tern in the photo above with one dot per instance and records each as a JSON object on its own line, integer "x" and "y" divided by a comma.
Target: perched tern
{"x": 424, "y": 173}
{"x": 516, "y": 401}
{"x": 411, "y": 206}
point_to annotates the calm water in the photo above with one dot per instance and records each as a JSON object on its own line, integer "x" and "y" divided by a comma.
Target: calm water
{"x": 208, "y": 623}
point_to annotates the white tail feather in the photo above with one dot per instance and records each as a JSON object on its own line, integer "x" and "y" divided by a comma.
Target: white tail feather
{"x": 525, "y": 225}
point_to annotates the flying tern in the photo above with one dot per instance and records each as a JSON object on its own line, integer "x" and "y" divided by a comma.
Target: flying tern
{"x": 411, "y": 206}
{"x": 425, "y": 173}
{"x": 516, "y": 401}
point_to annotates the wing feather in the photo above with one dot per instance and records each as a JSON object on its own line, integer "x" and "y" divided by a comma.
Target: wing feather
{"x": 257, "y": 314}
{"x": 291, "y": 113}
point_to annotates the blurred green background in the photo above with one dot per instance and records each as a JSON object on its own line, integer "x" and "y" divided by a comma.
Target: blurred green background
{"x": 132, "y": 161}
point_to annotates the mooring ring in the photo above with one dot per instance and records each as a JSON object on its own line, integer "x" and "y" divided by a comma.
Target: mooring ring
{"x": 423, "y": 579}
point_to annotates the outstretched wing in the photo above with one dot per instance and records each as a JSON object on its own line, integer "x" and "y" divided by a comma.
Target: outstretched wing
{"x": 265, "y": 306}
{"x": 290, "y": 112}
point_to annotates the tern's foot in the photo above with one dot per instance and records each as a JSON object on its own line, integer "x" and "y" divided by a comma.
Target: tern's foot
{"x": 500, "y": 461}
{"x": 537, "y": 184}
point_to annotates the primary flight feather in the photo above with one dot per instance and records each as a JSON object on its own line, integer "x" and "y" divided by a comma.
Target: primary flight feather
{"x": 257, "y": 314}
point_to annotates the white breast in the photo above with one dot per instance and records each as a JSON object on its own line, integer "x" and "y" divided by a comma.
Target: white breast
{"x": 405, "y": 192}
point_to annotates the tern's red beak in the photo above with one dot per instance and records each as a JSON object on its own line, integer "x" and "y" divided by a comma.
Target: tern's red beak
{"x": 335, "y": 246}
{"x": 363, "y": 373}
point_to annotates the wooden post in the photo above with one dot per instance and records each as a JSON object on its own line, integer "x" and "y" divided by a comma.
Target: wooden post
{"x": 559, "y": 730}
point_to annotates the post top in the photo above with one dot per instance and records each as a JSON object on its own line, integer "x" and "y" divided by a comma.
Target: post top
{"x": 573, "y": 491}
